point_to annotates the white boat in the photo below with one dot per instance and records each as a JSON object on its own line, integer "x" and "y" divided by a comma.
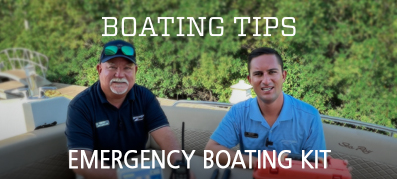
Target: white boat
{"x": 42, "y": 153}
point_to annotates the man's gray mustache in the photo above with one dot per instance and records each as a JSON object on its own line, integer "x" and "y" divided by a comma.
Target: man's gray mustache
{"x": 122, "y": 80}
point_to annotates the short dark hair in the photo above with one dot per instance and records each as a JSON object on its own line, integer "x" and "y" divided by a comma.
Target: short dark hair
{"x": 262, "y": 51}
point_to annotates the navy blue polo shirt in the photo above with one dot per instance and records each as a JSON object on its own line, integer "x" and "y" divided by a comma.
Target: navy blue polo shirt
{"x": 95, "y": 124}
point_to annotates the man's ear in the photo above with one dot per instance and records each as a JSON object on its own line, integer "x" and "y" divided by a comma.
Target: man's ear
{"x": 249, "y": 78}
{"x": 136, "y": 69}
{"x": 284, "y": 75}
{"x": 99, "y": 68}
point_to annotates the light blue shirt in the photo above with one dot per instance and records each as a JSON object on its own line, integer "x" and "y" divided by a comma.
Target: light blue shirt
{"x": 297, "y": 128}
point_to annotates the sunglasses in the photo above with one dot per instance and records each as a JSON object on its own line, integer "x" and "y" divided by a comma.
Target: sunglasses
{"x": 126, "y": 50}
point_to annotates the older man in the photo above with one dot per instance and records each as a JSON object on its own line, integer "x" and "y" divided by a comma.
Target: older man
{"x": 115, "y": 113}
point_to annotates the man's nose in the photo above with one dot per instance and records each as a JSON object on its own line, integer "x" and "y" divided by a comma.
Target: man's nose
{"x": 266, "y": 79}
{"x": 119, "y": 73}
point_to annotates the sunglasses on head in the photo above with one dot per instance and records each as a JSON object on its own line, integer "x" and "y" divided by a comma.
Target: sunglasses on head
{"x": 112, "y": 50}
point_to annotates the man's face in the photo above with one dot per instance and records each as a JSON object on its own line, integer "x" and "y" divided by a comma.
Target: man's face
{"x": 266, "y": 77}
{"x": 117, "y": 76}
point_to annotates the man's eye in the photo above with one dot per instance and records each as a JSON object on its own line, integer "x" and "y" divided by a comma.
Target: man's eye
{"x": 112, "y": 67}
{"x": 272, "y": 72}
{"x": 127, "y": 68}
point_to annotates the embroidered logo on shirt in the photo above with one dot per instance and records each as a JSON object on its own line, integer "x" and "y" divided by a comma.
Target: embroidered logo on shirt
{"x": 102, "y": 123}
{"x": 138, "y": 118}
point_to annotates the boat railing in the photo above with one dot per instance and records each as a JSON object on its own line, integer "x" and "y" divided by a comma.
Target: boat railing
{"x": 20, "y": 57}
{"x": 336, "y": 120}
{"x": 218, "y": 104}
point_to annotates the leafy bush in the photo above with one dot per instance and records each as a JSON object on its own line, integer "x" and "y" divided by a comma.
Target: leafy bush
{"x": 342, "y": 59}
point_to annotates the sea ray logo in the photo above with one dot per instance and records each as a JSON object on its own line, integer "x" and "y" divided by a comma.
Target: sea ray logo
{"x": 138, "y": 118}
{"x": 102, "y": 123}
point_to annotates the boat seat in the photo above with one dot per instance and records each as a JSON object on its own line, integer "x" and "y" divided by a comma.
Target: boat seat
{"x": 43, "y": 153}
{"x": 40, "y": 154}
{"x": 365, "y": 151}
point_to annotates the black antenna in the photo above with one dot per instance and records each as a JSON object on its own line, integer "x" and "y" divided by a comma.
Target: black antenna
{"x": 183, "y": 171}
{"x": 183, "y": 135}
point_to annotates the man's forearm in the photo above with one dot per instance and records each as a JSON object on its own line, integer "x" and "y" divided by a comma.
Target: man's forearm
{"x": 174, "y": 156}
{"x": 167, "y": 142}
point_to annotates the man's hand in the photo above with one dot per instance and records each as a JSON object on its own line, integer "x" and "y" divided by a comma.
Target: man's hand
{"x": 191, "y": 174}
{"x": 167, "y": 141}
{"x": 350, "y": 168}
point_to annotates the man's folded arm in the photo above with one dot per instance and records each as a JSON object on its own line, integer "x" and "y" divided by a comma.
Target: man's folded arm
{"x": 167, "y": 141}
{"x": 316, "y": 139}
{"x": 159, "y": 129}
{"x": 88, "y": 173}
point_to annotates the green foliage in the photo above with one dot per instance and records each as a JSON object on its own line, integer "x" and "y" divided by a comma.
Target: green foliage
{"x": 342, "y": 59}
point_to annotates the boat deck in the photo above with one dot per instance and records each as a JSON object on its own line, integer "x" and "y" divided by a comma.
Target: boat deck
{"x": 70, "y": 91}
{"x": 19, "y": 75}
{"x": 370, "y": 154}
{"x": 7, "y": 87}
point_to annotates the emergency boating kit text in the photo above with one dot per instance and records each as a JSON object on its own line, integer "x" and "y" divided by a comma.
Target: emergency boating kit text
{"x": 118, "y": 162}
{"x": 131, "y": 30}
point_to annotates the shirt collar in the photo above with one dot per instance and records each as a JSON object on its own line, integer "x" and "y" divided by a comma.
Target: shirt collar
{"x": 255, "y": 112}
{"x": 285, "y": 114}
{"x": 131, "y": 94}
{"x": 287, "y": 111}
{"x": 102, "y": 96}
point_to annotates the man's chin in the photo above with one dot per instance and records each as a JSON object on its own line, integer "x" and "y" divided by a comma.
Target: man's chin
{"x": 119, "y": 91}
{"x": 268, "y": 99}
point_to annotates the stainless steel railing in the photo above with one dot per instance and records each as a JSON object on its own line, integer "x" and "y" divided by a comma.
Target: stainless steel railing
{"x": 20, "y": 57}
{"x": 360, "y": 123}
{"x": 203, "y": 102}
{"x": 391, "y": 131}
